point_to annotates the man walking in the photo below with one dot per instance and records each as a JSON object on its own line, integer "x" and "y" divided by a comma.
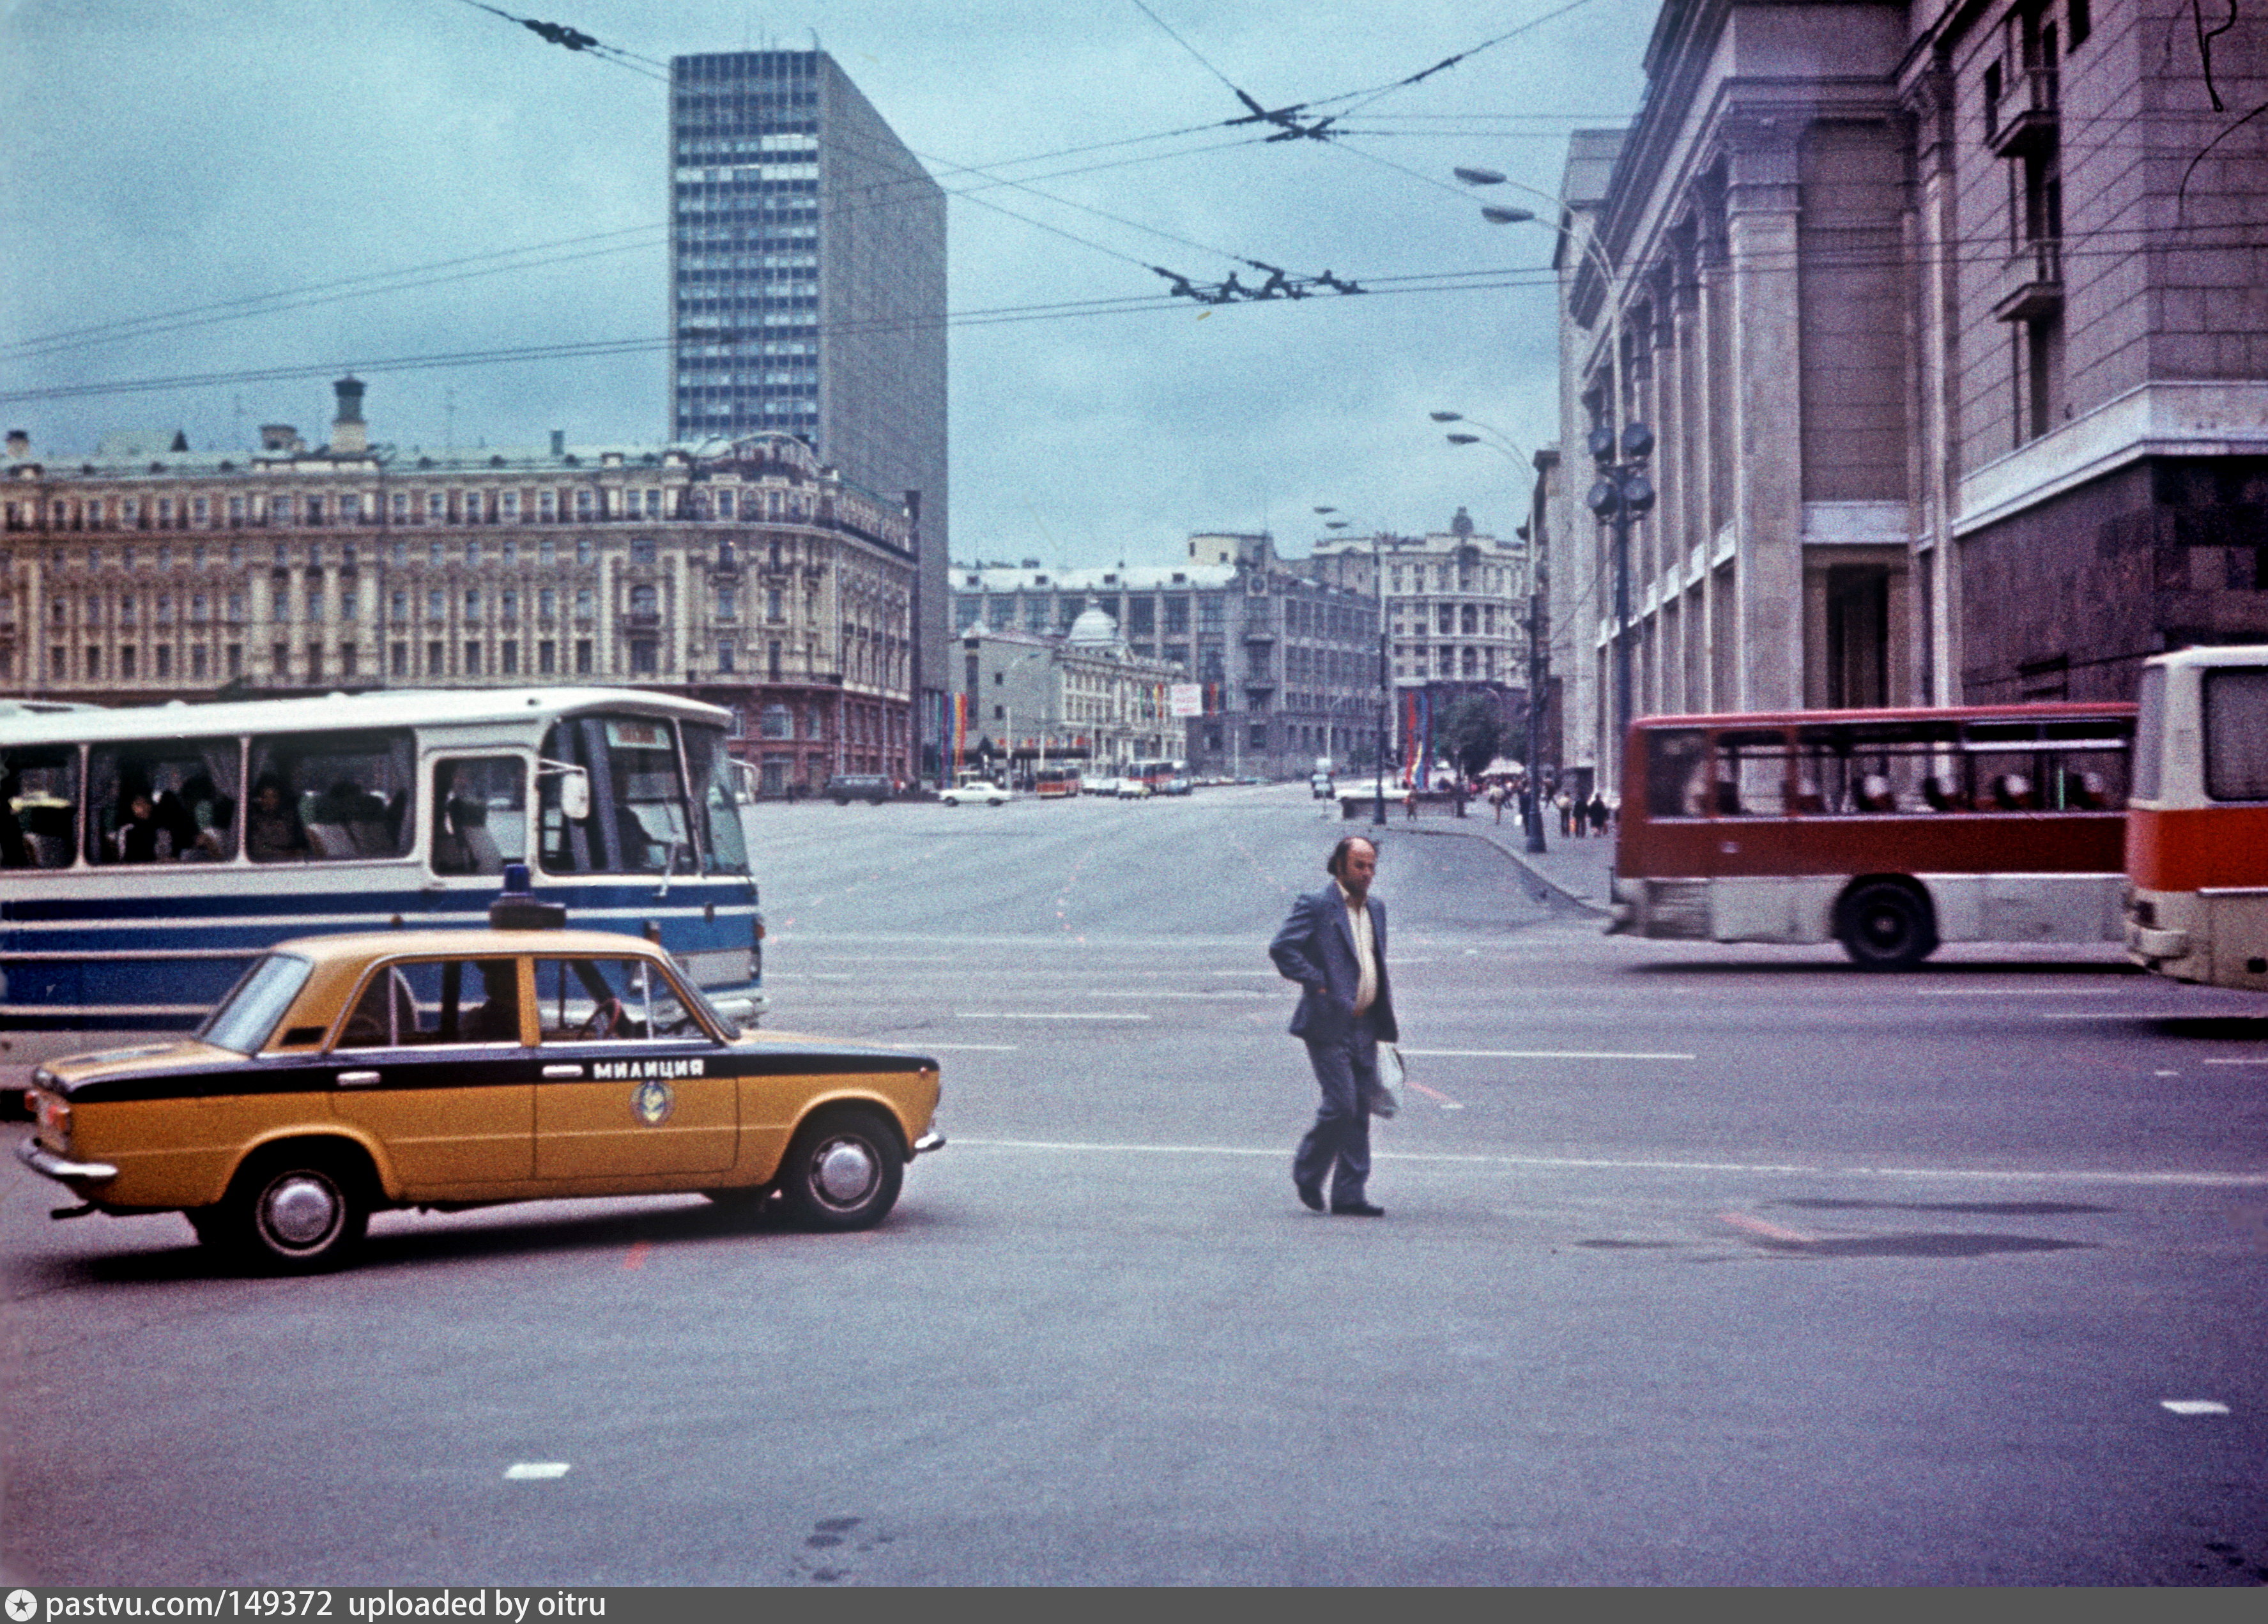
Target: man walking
{"x": 1333, "y": 945}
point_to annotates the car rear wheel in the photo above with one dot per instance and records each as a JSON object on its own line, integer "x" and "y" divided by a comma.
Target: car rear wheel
{"x": 844, "y": 1171}
{"x": 1886, "y": 926}
{"x": 294, "y": 1211}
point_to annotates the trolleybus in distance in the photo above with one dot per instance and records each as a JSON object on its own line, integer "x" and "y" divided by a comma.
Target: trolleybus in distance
{"x": 147, "y": 855}
{"x": 2197, "y": 826}
{"x": 1888, "y": 831}
{"x": 1055, "y": 783}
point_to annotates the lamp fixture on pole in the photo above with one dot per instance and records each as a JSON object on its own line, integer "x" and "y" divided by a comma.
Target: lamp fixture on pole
{"x": 1622, "y": 494}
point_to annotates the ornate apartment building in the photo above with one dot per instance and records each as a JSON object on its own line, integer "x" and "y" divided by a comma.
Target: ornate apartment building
{"x": 1083, "y": 698}
{"x": 1949, "y": 323}
{"x": 735, "y": 570}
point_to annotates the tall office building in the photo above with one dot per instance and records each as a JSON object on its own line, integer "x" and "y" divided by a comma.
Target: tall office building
{"x": 808, "y": 291}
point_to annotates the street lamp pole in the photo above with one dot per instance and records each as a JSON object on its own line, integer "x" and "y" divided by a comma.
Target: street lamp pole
{"x": 1385, "y": 689}
{"x": 1622, "y": 496}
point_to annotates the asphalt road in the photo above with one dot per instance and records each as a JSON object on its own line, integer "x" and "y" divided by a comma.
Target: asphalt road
{"x": 1701, "y": 1265}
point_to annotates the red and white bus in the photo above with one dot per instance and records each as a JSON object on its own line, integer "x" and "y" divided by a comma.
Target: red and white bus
{"x": 2197, "y": 826}
{"x": 1055, "y": 783}
{"x": 1888, "y": 831}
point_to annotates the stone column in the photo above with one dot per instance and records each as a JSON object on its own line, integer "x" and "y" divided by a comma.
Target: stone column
{"x": 1933, "y": 243}
{"x": 1761, "y": 207}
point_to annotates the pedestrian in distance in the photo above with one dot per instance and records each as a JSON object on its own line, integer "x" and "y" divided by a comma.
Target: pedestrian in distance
{"x": 1598, "y": 813}
{"x": 1496, "y": 800}
{"x": 1333, "y": 945}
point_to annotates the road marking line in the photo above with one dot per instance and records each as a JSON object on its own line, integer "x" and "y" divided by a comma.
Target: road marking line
{"x": 971, "y": 1048}
{"x": 1081, "y": 1015}
{"x": 2195, "y": 1407}
{"x": 2242, "y": 1060}
{"x": 1446, "y": 1103}
{"x": 1765, "y": 1231}
{"x": 2016, "y": 1175}
{"x": 534, "y": 1471}
{"x": 2006, "y": 992}
{"x": 1143, "y": 992}
{"x": 1538, "y": 1054}
{"x": 2112, "y": 1015}
{"x": 636, "y": 1258}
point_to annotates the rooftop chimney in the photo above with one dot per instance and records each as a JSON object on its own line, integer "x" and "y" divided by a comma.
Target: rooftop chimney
{"x": 19, "y": 443}
{"x": 347, "y": 431}
{"x": 277, "y": 436}
{"x": 559, "y": 442}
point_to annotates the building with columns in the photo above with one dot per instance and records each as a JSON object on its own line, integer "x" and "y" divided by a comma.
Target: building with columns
{"x": 1949, "y": 408}
{"x": 736, "y": 570}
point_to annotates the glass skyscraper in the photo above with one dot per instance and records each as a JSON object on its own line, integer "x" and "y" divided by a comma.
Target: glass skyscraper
{"x": 807, "y": 287}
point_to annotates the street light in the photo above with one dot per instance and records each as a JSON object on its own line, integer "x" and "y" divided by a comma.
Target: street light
{"x": 1622, "y": 494}
{"x": 1384, "y": 708}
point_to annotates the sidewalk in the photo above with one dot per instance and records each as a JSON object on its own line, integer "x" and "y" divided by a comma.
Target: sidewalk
{"x": 1577, "y": 869}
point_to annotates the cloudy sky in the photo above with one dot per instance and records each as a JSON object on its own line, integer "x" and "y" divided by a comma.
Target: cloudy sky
{"x": 209, "y": 189}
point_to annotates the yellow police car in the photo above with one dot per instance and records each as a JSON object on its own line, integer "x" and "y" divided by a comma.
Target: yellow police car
{"x": 348, "y": 1073}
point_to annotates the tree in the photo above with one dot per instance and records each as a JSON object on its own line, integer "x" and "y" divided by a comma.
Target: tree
{"x": 1470, "y": 731}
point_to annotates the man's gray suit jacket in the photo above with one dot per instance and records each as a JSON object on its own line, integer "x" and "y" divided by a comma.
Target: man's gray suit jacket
{"x": 1315, "y": 948}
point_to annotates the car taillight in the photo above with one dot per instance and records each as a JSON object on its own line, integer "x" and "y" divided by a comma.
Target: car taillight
{"x": 54, "y": 1114}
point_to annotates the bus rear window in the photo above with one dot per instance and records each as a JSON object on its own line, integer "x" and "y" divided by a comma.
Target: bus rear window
{"x": 2237, "y": 734}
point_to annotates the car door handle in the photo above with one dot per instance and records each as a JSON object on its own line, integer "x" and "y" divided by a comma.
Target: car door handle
{"x": 563, "y": 1071}
{"x": 357, "y": 1079}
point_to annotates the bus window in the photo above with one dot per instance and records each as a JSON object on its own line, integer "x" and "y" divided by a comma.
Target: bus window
{"x": 1752, "y": 772}
{"x": 480, "y": 814}
{"x": 171, "y": 800}
{"x": 38, "y": 785}
{"x": 329, "y": 797}
{"x": 640, "y": 817}
{"x": 2237, "y": 734}
{"x": 1677, "y": 773}
{"x": 710, "y": 766}
{"x": 2150, "y": 733}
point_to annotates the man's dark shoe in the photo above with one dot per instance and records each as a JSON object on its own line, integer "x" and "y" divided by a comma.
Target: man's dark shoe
{"x": 1311, "y": 1196}
{"x": 1356, "y": 1210}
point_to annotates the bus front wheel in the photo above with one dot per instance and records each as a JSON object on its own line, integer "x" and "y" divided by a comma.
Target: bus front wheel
{"x": 1884, "y": 925}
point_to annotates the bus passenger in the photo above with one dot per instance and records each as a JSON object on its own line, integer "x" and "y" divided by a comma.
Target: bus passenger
{"x": 272, "y": 831}
{"x": 138, "y": 830}
{"x": 1941, "y": 797}
{"x": 1875, "y": 795}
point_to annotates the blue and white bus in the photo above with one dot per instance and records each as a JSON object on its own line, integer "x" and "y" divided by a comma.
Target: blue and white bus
{"x": 147, "y": 855}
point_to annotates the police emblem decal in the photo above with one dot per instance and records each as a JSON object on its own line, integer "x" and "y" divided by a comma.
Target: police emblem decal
{"x": 653, "y": 1101}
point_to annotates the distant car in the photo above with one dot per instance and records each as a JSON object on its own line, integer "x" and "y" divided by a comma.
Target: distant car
{"x": 985, "y": 794}
{"x": 873, "y": 787}
{"x": 1319, "y": 786}
{"x": 1101, "y": 786}
{"x": 1134, "y": 790}
{"x": 445, "y": 1069}
{"x": 1174, "y": 786}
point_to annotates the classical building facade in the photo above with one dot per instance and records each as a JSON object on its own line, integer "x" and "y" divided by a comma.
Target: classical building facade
{"x": 808, "y": 291}
{"x": 1287, "y": 662}
{"x": 1956, "y": 355}
{"x": 737, "y": 571}
{"x": 1081, "y": 697}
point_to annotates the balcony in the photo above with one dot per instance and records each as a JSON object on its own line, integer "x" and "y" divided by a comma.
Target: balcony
{"x": 2024, "y": 123}
{"x": 2040, "y": 293}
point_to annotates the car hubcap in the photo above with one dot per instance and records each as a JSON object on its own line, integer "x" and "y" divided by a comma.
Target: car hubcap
{"x": 844, "y": 1172}
{"x": 301, "y": 1210}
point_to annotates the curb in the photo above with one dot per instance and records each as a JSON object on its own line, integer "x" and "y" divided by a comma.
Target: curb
{"x": 1519, "y": 859}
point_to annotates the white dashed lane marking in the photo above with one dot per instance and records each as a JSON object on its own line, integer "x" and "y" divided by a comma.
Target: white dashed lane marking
{"x": 2195, "y": 1407}
{"x": 534, "y": 1471}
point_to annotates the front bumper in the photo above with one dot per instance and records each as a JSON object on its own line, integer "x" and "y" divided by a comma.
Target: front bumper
{"x": 929, "y": 1141}
{"x": 41, "y": 1160}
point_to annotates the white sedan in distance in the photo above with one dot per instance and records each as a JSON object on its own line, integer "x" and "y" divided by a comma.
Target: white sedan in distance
{"x": 987, "y": 794}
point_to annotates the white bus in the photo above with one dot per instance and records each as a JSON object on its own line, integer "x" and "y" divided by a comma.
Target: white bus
{"x": 148, "y": 854}
{"x": 2197, "y": 826}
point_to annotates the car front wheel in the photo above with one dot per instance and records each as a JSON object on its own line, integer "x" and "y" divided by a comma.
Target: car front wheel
{"x": 844, "y": 1171}
{"x": 293, "y": 1212}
